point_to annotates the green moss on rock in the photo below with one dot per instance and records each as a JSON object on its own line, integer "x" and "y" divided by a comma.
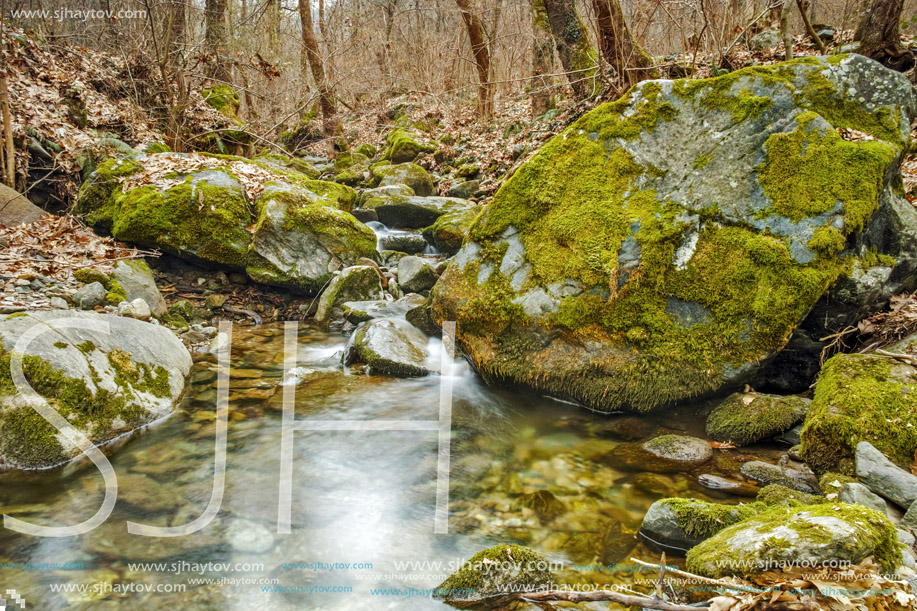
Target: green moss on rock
{"x": 814, "y": 534}
{"x": 495, "y": 571}
{"x": 860, "y": 398}
{"x": 116, "y": 293}
{"x": 744, "y": 418}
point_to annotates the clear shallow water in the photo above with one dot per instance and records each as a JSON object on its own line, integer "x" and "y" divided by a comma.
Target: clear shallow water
{"x": 524, "y": 469}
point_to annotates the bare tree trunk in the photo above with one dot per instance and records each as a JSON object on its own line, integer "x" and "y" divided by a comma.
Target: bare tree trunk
{"x": 215, "y": 39}
{"x": 481, "y": 57}
{"x": 785, "y": 29}
{"x": 803, "y": 6}
{"x": 879, "y": 35}
{"x": 175, "y": 32}
{"x": 576, "y": 54}
{"x": 8, "y": 169}
{"x": 314, "y": 59}
{"x": 618, "y": 47}
{"x": 542, "y": 59}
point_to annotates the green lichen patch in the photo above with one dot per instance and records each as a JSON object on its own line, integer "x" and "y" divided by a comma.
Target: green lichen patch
{"x": 861, "y": 398}
{"x": 775, "y": 494}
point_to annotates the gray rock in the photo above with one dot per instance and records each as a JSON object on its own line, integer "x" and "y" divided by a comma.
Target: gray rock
{"x": 689, "y": 451}
{"x": 909, "y": 521}
{"x": 414, "y": 212}
{"x": 403, "y": 241}
{"x": 16, "y": 209}
{"x": 405, "y": 174}
{"x": 137, "y": 279}
{"x": 790, "y": 437}
{"x": 766, "y": 473}
{"x": 131, "y": 375}
{"x": 389, "y": 346}
{"x": 466, "y": 189}
{"x": 415, "y": 274}
{"x": 59, "y": 303}
{"x": 138, "y": 308}
{"x": 884, "y": 477}
{"x": 858, "y": 494}
{"x": 357, "y": 283}
{"x": 361, "y": 311}
{"x": 766, "y": 39}
{"x": 90, "y": 296}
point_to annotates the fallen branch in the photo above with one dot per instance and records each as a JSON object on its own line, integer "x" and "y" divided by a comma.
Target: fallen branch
{"x": 604, "y": 595}
{"x": 233, "y": 310}
{"x": 904, "y": 358}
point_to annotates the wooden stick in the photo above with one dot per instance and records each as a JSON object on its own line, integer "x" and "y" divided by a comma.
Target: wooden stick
{"x": 604, "y": 595}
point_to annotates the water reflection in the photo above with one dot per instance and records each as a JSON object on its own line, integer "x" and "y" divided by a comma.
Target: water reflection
{"x": 524, "y": 470}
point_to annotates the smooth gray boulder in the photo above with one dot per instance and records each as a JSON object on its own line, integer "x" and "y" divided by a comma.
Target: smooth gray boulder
{"x": 884, "y": 477}
{"x": 137, "y": 308}
{"x": 137, "y": 280}
{"x": 361, "y": 311}
{"x": 389, "y": 346}
{"x": 415, "y": 274}
{"x": 89, "y": 296}
{"x": 103, "y": 384}
{"x": 357, "y": 283}
{"x": 858, "y": 494}
{"x": 403, "y": 241}
{"x": 690, "y": 451}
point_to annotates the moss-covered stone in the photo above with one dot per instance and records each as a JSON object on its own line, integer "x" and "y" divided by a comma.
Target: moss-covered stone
{"x": 775, "y": 494}
{"x": 403, "y": 146}
{"x": 493, "y": 572}
{"x": 615, "y": 270}
{"x": 118, "y": 390}
{"x": 811, "y": 536}
{"x": 861, "y": 398}
{"x": 88, "y": 275}
{"x": 116, "y": 293}
{"x": 744, "y": 418}
{"x": 225, "y": 99}
{"x": 408, "y": 174}
{"x": 450, "y": 230}
{"x": 831, "y": 483}
{"x": 294, "y": 233}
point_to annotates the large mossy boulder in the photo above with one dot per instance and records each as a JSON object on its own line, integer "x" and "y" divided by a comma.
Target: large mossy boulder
{"x": 808, "y": 536}
{"x": 667, "y": 245}
{"x": 745, "y": 418}
{"x": 415, "y": 212}
{"x": 276, "y": 224}
{"x": 861, "y": 397}
{"x": 450, "y": 230}
{"x": 103, "y": 384}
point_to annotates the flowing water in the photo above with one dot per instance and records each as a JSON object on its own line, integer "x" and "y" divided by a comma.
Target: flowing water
{"x": 524, "y": 469}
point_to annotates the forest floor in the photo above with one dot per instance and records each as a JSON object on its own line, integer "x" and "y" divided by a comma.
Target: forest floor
{"x": 69, "y": 102}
